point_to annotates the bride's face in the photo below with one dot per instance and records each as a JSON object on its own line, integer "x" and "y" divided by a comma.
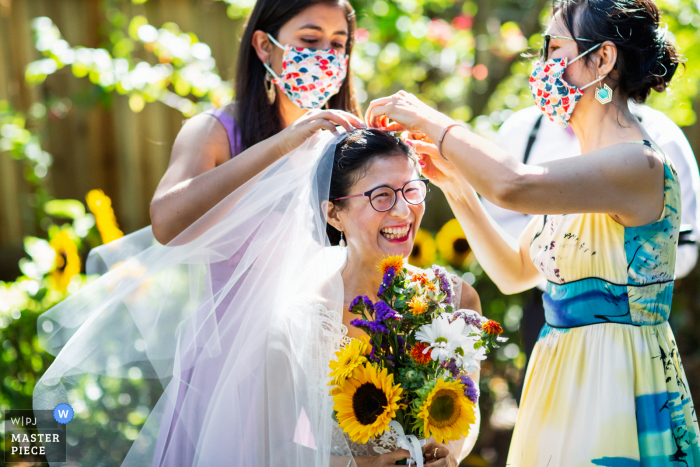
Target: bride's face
{"x": 370, "y": 234}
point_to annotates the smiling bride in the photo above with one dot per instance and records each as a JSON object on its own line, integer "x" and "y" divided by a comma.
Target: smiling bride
{"x": 235, "y": 368}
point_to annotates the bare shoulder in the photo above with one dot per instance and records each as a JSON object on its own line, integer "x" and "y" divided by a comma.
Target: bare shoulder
{"x": 202, "y": 137}
{"x": 470, "y": 299}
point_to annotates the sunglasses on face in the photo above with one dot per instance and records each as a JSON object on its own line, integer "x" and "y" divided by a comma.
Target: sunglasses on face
{"x": 546, "y": 38}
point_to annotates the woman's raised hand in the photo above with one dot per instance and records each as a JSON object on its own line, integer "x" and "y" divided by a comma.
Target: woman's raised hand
{"x": 433, "y": 166}
{"x": 407, "y": 112}
{"x": 304, "y": 128}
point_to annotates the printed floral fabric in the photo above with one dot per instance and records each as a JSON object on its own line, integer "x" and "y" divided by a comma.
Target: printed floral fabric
{"x": 555, "y": 97}
{"x": 310, "y": 77}
{"x": 605, "y": 384}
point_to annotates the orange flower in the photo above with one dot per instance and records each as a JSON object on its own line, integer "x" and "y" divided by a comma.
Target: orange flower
{"x": 420, "y": 277}
{"x": 395, "y": 261}
{"x": 431, "y": 287}
{"x": 418, "y": 305}
{"x": 492, "y": 327}
{"x": 417, "y": 353}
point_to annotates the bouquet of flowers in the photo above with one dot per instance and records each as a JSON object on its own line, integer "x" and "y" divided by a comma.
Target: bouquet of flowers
{"x": 413, "y": 368}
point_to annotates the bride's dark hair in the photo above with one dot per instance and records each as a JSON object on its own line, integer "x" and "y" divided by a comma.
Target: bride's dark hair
{"x": 353, "y": 156}
{"x": 255, "y": 117}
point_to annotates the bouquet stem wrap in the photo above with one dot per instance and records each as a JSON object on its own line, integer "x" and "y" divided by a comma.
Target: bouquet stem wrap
{"x": 410, "y": 443}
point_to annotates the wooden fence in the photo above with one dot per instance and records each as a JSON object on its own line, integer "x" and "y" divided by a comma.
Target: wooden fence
{"x": 95, "y": 146}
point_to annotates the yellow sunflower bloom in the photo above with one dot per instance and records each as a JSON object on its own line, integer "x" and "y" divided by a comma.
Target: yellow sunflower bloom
{"x": 418, "y": 305}
{"x": 395, "y": 261}
{"x": 101, "y": 207}
{"x": 423, "y": 253}
{"x": 447, "y": 413}
{"x": 67, "y": 260}
{"x": 452, "y": 243}
{"x": 367, "y": 403}
{"x": 350, "y": 357}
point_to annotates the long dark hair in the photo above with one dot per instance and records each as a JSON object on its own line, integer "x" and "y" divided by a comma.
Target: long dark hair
{"x": 256, "y": 119}
{"x": 645, "y": 59}
{"x": 352, "y": 158}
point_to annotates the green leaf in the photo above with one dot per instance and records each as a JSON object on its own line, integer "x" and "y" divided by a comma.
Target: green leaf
{"x": 65, "y": 208}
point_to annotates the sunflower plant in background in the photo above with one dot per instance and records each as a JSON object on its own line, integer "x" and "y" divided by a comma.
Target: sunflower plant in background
{"x": 414, "y": 364}
{"x": 51, "y": 271}
{"x": 452, "y": 243}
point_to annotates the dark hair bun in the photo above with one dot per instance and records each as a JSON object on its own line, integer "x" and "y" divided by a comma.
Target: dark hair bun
{"x": 646, "y": 60}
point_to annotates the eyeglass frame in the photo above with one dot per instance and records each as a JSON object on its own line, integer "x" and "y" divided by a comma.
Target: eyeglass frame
{"x": 544, "y": 51}
{"x": 396, "y": 195}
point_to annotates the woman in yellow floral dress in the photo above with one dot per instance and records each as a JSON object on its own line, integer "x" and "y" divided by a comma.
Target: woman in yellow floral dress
{"x": 605, "y": 385}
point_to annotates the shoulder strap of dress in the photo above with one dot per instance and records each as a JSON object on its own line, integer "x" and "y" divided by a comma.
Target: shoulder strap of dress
{"x": 232, "y": 130}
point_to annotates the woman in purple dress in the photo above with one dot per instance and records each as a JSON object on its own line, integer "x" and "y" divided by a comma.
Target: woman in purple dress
{"x": 292, "y": 80}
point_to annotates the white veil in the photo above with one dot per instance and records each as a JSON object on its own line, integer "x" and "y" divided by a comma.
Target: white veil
{"x": 220, "y": 340}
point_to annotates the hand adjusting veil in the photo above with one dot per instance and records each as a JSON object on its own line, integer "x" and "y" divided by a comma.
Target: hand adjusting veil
{"x": 231, "y": 328}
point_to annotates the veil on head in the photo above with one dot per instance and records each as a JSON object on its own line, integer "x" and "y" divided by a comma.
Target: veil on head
{"x": 214, "y": 349}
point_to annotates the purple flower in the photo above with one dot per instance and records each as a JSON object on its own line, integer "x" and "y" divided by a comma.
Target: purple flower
{"x": 370, "y": 326}
{"x": 355, "y": 302}
{"x": 451, "y": 366}
{"x": 445, "y": 286}
{"x": 383, "y": 311}
{"x": 470, "y": 318}
{"x": 368, "y": 304}
{"x": 470, "y": 389}
{"x": 386, "y": 280}
{"x": 402, "y": 344}
{"x": 361, "y": 303}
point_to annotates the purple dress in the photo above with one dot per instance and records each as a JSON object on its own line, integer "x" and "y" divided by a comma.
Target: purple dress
{"x": 176, "y": 445}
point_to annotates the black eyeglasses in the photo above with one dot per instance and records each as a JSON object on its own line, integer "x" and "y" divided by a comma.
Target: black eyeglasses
{"x": 544, "y": 51}
{"x": 383, "y": 198}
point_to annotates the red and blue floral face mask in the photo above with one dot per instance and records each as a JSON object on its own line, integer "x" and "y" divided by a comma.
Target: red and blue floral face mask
{"x": 310, "y": 76}
{"x": 555, "y": 97}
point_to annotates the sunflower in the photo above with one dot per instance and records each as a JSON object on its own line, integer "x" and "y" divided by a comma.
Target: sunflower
{"x": 67, "y": 260}
{"x": 418, "y": 305}
{"x": 417, "y": 353}
{"x": 101, "y": 207}
{"x": 350, "y": 357}
{"x": 395, "y": 261}
{"x": 423, "y": 253}
{"x": 367, "y": 403}
{"x": 446, "y": 412}
{"x": 452, "y": 243}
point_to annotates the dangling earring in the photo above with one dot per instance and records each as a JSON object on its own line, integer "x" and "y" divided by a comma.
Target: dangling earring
{"x": 270, "y": 87}
{"x": 342, "y": 240}
{"x": 604, "y": 94}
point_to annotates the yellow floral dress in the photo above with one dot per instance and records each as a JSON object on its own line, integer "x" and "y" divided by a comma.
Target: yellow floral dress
{"x": 605, "y": 385}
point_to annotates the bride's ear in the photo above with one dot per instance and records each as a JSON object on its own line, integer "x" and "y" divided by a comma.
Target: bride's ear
{"x": 332, "y": 214}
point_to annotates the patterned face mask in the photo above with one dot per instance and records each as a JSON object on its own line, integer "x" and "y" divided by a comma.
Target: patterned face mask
{"x": 555, "y": 97}
{"x": 309, "y": 76}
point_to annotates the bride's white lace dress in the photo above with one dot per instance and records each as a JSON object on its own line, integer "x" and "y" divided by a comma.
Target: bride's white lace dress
{"x": 386, "y": 442}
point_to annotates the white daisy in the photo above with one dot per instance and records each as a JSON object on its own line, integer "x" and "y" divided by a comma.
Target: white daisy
{"x": 442, "y": 337}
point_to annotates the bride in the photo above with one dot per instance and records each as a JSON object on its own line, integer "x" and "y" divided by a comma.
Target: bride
{"x": 240, "y": 366}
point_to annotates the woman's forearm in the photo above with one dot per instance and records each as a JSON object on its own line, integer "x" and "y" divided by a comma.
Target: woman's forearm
{"x": 492, "y": 172}
{"x": 497, "y": 252}
{"x": 180, "y": 206}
